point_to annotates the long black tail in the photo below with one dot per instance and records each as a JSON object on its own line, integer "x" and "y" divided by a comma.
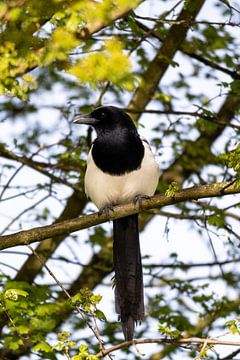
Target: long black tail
{"x": 129, "y": 301}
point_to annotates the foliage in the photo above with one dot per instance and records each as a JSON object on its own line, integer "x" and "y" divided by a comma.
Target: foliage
{"x": 27, "y": 44}
{"x": 172, "y": 189}
{"x": 33, "y": 314}
{"x": 65, "y": 56}
{"x": 31, "y": 311}
{"x": 232, "y": 159}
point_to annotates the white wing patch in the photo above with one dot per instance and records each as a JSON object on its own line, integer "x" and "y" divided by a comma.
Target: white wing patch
{"x": 106, "y": 189}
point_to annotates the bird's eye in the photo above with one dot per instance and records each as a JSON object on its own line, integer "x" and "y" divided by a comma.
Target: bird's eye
{"x": 103, "y": 115}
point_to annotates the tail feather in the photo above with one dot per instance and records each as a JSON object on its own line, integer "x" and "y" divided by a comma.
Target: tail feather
{"x": 128, "y": 273}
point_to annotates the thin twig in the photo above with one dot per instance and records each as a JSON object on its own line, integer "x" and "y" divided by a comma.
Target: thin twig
{"x": 6, "y": 186}
{"x": 79, "y": 310}
{"x": 195, "y": 22}
{"x": 23, "y": 212}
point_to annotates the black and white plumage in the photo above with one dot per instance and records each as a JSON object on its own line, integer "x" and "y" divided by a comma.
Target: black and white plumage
{"x": 120, "y": 168}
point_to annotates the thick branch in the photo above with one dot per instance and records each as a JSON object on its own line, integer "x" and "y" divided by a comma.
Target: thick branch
{"x": 68, "y": 226}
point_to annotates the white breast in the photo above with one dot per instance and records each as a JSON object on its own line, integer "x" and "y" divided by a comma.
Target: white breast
{"x": 106, "y": 189}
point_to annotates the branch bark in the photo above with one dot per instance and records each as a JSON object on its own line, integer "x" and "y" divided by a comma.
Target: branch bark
{"x": 69, "y": 226}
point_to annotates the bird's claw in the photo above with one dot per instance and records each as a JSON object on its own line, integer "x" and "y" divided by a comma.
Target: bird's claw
{"x": 106, "y": 210}
{"x": 139, "y": 198}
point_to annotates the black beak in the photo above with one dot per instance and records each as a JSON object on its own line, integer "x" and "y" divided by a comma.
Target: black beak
{"x": 85, "y": 119}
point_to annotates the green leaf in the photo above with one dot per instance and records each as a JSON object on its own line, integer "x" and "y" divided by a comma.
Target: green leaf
{"x": 217, "y": 220}
{"x": 232, "y": 159}
{"x": 108, "y": 65}
{"x": 43, "y": 347}
{"x": 63, "y": 336}
{"x": 12, "y": 342}
{"x": 172, "y": 189}
{"x": 83, "y": 348}
{"x": 235, "y": 87}
{"x": 234, "y": 326}
{"x": 233, "y": 329}
{"x": 165, "y": 330}
{"x": 83, "y": 354}
{"x": 42, "y": 324}
{"x": 21, "y": 329}
{"x": 86, "y": 299}
{"x": 13, "y": 294}
{"x": 100, "y": 315}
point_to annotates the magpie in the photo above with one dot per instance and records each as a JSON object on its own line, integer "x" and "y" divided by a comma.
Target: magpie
{"x": 121, "y": 168}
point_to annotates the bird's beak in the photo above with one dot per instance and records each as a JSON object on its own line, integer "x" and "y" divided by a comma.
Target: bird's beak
{"x": 85, "y": 119}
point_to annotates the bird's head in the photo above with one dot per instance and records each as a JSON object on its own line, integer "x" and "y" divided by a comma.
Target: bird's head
{"x": 106, "y": 118}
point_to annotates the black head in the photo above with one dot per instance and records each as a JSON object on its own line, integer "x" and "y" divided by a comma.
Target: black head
{"x": 106, "y": 118}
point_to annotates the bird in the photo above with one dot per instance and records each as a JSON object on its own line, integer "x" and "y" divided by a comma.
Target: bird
{"x": 121, "y": 168}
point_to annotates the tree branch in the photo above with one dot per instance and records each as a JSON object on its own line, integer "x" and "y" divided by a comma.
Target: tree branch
{"x": 32, "y": 266}
{"x": 40, "y": 167}
{"x": 191, "y": 340}
{"x": 193, "y": 156}
{"x": 84, "y": 32}
{"x": 68, "y": 226}
{"x": 158, "y": 66}
{"x": 91, "y": 28}
{"x": 155, "y": 33}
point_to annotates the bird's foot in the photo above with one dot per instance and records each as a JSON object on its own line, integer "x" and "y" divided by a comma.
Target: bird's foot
{"x": 106, "y": 210}
{"x": 139, "y": 198}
